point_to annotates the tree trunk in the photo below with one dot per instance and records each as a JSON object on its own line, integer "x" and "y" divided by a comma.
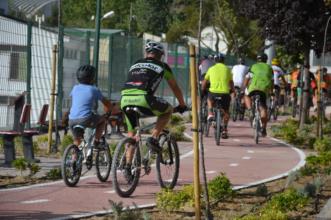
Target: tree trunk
{"x": 305, "y": 91}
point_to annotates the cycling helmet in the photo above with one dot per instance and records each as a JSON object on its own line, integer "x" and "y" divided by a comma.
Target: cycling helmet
{"x": 241, "y": 60}
{"x": 153, "y": 46}
{"x": 262, "y": 57}
{"x": 219, "y": 57}
{"x": 85, "y": 74}
{"x": 275, "y": 62}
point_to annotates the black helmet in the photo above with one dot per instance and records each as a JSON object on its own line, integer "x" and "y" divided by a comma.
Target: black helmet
{"x": 219, "y": 57}
{"x": 241, "y": 60}
{"x": 153, "y": 46}
{"x": 85, "y": 74}
{"x": 262, "y": 57}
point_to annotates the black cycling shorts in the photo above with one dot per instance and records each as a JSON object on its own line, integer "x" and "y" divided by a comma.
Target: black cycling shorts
{"x": 263, "y": 97}
{"x": 226, "y": 99}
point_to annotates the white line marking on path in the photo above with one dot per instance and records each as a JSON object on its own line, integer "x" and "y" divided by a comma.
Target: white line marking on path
{"x": 233, "y": 164}
{"x": 246, "y": 158}
{"x": 110, "y": 192}
{"x": 35, "y": 201}
{"x": 211, "y": 172}
{"x": 250, "y": 151}
{"x": 236, "y": 140}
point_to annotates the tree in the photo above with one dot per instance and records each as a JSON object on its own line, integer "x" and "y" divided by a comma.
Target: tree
{"x": 297, "y": 25}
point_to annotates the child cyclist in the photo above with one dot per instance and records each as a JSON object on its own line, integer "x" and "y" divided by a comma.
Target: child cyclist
{"x": 84, "y": 96}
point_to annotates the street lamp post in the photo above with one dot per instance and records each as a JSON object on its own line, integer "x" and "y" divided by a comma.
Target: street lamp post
{"x": 96, "y": 40}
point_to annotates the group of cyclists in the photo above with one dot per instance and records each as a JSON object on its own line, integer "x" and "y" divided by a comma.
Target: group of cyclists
{"x": 259, "y": 79}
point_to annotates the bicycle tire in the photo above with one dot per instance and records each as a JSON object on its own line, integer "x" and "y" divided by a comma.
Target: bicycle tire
{"x": 207, "y": 129}
{"x": 257, "y": 129}
{"x": 270, "y": 112}
{"x": 275, "y": 114}
{"x": 71, "y": 165}
{"x": 117, "y": 168}
{"x": 235, "y": 110}
{"x": 170, "y": 161}
{"x": 103, "y": 163}
{"x": 218, "y": 128}
{"x": 242, "y": 113}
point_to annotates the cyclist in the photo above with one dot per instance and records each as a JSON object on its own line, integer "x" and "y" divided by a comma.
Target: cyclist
{"x": 324, "y": 84}
{"x": 312, "y": 85}
{"x": 84, "y": 96}
{"x": 259, "y": 82}
{"x": 238, "y": 75}
{"x": 294, "y": 84}
{"x": 143, "y": 80}
{"x": 221, "y": 84}
{"x": 278, "y": 73}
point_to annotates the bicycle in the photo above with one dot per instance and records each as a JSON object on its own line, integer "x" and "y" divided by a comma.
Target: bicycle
{"x": 256, "y": 121}
{"x": 125, "y": 179}
{"x": 273, "y": 108}
{"x": 238, "y": 108}
{"x": 74, "y": 157}
{"x": 204, "y": 114}
{"x": 217, "y": 121}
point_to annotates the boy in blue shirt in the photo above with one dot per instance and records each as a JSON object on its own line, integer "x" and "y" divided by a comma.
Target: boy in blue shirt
{"x": 84, "y": 96}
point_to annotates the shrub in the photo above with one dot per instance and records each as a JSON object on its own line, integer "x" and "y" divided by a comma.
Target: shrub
{"x": 54, "y": 174}
{"x": 268, "y": 214}
{"x": 289, "y": 200}
{"x": 1, "y": 144}
{"x": 322, "y": 144}
{"x": 178, "y": 132}
{"x": 20, "y": 164}
{"x": 176, "y": 119}
{"x": 262, "y": 190}
{"x": 34, "y": 168}
{"x": 220, "y": 187}
{"x": 168, "y": 200}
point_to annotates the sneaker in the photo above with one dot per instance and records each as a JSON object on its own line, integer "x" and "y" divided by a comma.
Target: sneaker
{"x": 225, "y": 135}
{"x": 210, "y": 118}
{"x": 263, "y": 132}
{"x": 127, "y": 173}
{"x": 153, "y": 145}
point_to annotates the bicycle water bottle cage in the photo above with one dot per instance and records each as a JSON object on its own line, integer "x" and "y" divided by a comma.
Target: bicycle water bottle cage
{"x": 79, "y": 130}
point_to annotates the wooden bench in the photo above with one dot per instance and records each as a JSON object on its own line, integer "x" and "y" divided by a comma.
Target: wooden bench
{"x": 9, "y": 135}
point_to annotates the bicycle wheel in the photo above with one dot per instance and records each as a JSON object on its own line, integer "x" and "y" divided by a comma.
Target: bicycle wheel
{"x": 235, "y": 110}
{"x": 257, "y": 129}
{"x": 71, "y": 166}
{"x": 167, "y": 162}
{"x": 270, "y": 112}
{"x": 242, "y": 113}
{"x": 125, "y": 179}
{"x": 103, "y": 163}
{"x": 275, "y": 114}
{"x": 218, "y": 128}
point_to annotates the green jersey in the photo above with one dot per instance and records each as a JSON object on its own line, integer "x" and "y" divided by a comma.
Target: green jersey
{"x": 219, "y": 77}
{"x": 261, "y": 77}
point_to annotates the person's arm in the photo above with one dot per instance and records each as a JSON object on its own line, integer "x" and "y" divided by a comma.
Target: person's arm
{"x": 106, "y": 104}
{"x": 177, "y": 91}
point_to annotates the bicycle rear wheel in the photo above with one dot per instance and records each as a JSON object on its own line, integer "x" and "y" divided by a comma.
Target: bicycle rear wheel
{"x": 167, "y": 162}
{"x": 257, "y": 129}
{"x": 71, "y": 166}
{"x": 218, "y": 128}
{"x": 235, "y": 110}
{"x": 125, "y": 180}
{"x": 103, "y": 163}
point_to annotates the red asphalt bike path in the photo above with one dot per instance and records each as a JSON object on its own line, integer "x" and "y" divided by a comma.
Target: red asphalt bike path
{"x": 242, "y": 161}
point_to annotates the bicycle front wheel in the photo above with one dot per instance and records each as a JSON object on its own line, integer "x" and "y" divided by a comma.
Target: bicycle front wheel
{"x": 125, "y": 177}
{"x": 218, "y": 129}
{"x": 71, "y": 166}
{"x": 167, "y": 162}
{"x": 103, "y": 163}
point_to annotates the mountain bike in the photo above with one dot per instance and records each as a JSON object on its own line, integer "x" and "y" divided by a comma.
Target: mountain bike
{"x": 125, "y": 179}
{"x": 273, "y": 108}
{"x": 217, "y": 121}
{"x": 78, "y": 160}
{"x": 238, "y": 108}
{"x": 256, "y": 122}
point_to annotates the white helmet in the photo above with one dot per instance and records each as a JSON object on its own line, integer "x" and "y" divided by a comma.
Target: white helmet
{"x": 152, "y": 46}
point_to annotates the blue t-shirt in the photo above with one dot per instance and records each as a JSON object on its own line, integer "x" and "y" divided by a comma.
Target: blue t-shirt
{"x": 83, "y": 99}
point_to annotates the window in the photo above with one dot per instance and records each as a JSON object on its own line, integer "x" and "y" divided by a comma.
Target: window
{"x": 18, "y": 70}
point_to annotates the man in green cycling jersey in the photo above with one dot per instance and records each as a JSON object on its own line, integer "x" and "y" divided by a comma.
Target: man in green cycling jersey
{"x": 220, "y": 78}
{"x": 143, "y": 80}
{"x": 259, "y": 82}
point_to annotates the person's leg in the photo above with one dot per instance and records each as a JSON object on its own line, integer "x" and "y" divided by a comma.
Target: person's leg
{"x": 225, "y": 107}
{"x": 162, "y": 121}
{"x": 210, "y": 104}
{"x": 264, "y": 113}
